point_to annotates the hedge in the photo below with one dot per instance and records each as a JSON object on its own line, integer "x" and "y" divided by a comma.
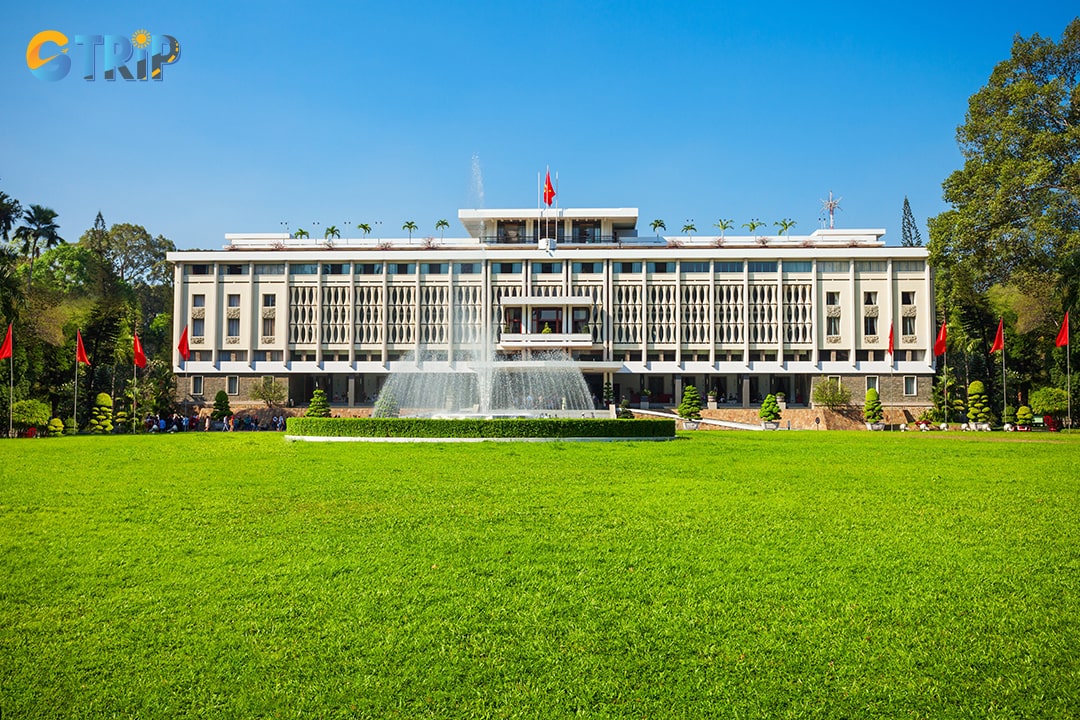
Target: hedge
{"x": 478, "y": 428}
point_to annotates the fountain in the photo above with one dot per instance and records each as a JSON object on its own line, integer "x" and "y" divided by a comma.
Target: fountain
{"x": 547, "y": 384}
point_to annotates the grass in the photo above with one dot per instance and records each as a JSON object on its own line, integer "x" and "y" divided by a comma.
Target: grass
{"x": 725, "y": 574}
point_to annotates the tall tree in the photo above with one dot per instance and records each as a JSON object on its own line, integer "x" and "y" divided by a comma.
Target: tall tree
{"x": 39, "y": 228}
{"x": 137, "y": 257}
{"x": 332, "y": 233}
{"x": 365, "y": 228}
{"x": 1016, "y": 201}
{"x": 441, "y": 227}
{"x": 10, "y": 210}
{"x": 411, "y": 227}
{"x": 785, "y": 225}
{"x": 723, "y": 226}
{"x": 657, "y": 225}
{"x": 909, "y": 229}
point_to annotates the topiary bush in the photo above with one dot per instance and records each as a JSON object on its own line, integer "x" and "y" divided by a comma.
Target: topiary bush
{"x": 221, "y": 406}
{"x": 978, "y": 403}
{"x": 609, "y": 393}
{"x": 319, "y": 405}
{"x": 122, "y": 421}
{"x": 872, "y": 411}
{"x": 831, "y": 394}
{"x": 56, "y": 427}
{"x": 101, "y": 422}
{"x": 690, "y": 407}
{"x": 770, "y": 409}
{"x": 624, "y": 412}
{"x": 1024, "y": 416}
{"x": 1010, "y": 415}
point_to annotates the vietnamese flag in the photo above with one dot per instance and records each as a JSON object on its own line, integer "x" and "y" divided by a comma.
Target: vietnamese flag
{"x": 185, "y": 351}
{"x": 5, "y": 349}
{"x": 80, "y": 351}
{"x": 1063, "y": 333}
{"x": 549, "y": 191}
{"x": 140, "y": 356}
{"x": 891, "y": 346}
{"x": 999, "y": 339}
{"x": 939, "y": 344}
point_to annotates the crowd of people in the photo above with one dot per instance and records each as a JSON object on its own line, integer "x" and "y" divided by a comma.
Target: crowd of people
{"x": 231, "y": 423}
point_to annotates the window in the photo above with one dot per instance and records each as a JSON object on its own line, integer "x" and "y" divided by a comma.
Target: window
{"x": 833, "y": 266}
{"x": 233, "y": 327}
{"x": 911, "y": 385}
{"x": 467, "y": 268}
{"x": 197, "y": 269}
{"x": 762, "y": 267}
{"x": 267, "y": 355}
{"x": 661, "y": 267}
{"x": 232, "y": 384}
{"x": 871, "y": 383}
{"x": 695, "y": 267}
{"x": 907, "y": 297}
{"x": 434, "y": 268}
{"x": 870, "y": 297}
{"x": 832, "y": 326}
{"x": 269, "y": 269}
{"x": 233, "y": 301}
{"x": 401, "y": 268}
{"x": 728, "y": 267}
{"x": 594, "y": 268}
{"x": 335, "y": 269}
{"x": 909, "y": 265}
{"x": 875, "y": 266}
{"x": 869, "y": 325}
{"x": 546, "y": 268}
{"x": 505, "y": 268}
{"x": 198, "y": 301}
{"x": 304, "y": 269}
{"x": 626, "y": 267}
{"x": 198, "y": 327}
{"x": 201, "y": 356}
{"x": 268, "y": 327}
{"x": 234, "y": 269}
{"x": 832, "y": 297}
{"x": 368, "y": 268}
{"x": 798, "y": 266}
{"x": 269, "y": 300}
{"x": 907, "y": 326}
{"x": 196, "y": 385}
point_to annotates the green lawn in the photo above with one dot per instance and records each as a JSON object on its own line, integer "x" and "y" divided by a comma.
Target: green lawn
{"x": 726, "y": 574}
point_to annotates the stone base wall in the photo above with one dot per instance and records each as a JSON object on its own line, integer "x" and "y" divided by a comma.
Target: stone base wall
{"x": 803, "y": 418}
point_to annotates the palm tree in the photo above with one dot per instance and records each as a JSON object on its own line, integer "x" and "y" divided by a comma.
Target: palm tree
{"x": 331, "y": 233}
{"x": 658, "y": 225}
{"x": 10, "y": 209}
{"x": 10, "y": 288}
{"x": 40, "y": 227}
{"x": 365, "y": 227}
{"x": 689, "y": 228}
{"x": 441, "y": 226}
{"x": 785, "y": 225}
{"x": 301, "y": 233}
{"x": 753, "y": 225}
{"x": 410, "y": 226}
{"x": 724, "y": 226}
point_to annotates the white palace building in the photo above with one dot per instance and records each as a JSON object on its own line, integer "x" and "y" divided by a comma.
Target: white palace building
{"x": 737, "y": 316}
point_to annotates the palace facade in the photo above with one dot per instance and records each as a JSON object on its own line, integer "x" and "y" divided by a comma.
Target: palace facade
{"x": 736, "y": 316}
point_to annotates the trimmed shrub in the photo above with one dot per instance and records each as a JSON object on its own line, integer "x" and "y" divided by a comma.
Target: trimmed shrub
{"x": 978, "y": 403}
{"x": 1024, "y": 416}
{"x": 624, "y": 412}
{"x": 319, "y": 407}
{"x": 770, "y": 409}
{"x": 477, "y": 428}
{"x": 690, "y": 407}
{"x": 101, "y": 416}
{"x": 221, "y": 406}
{"x": 122, "y": 421}
{"x": 1049, "y": 401}
{"x": 609, "y": 393}
{"x": 1010, "y": 415}
{"x": 831, "y": 394}
{"x": 56, "y": 427}
{"x": 872, "y": 411}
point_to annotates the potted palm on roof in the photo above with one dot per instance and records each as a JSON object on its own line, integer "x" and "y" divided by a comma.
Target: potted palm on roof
{"x": 770, "y": 413}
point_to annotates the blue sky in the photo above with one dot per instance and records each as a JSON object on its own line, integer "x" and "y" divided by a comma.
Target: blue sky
{"x": 332, "y": 113}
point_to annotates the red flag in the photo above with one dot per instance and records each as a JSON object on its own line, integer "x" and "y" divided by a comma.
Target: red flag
{"x": 185, "y": 351}
{"x": 140, "y": 356}
{"x": 1063, "y": 333}
{"x": 80, "y": 351}
{"x": 891, "y": 346}
{"x": 549, "y": 191}
{"x": 5, "y": 349}
{"x": 939, "y": 344}
{"x": 999, "y": 339}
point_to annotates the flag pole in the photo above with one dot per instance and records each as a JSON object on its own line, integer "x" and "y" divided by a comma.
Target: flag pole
{"x": 11, "y": 392}
{"x": 134, "y": 394}
{"x": 75, "y": 406}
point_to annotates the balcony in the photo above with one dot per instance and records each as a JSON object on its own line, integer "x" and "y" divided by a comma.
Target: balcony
{"x": 545, "y": 341}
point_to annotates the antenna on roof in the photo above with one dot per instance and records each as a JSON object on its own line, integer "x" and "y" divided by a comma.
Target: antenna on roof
{"x": 831, "y": 205}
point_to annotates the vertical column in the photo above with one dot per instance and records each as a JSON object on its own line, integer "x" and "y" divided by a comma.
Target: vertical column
{"x": 856, "y": 306}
